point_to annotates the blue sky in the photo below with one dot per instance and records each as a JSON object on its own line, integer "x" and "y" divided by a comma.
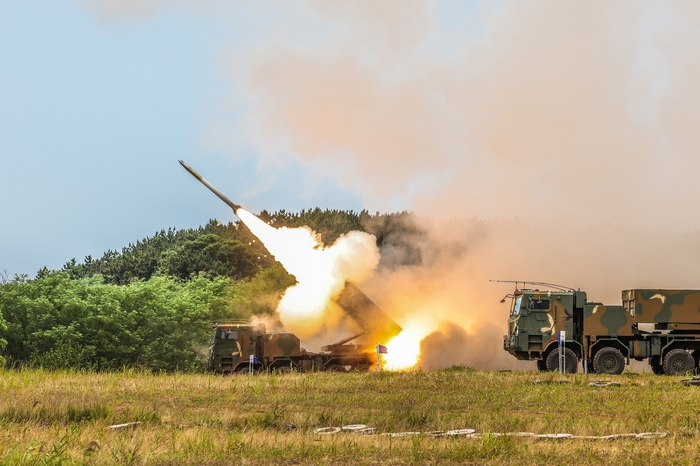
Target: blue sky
{"x": 447, "y": 108}
{"x": 95, "y": 115}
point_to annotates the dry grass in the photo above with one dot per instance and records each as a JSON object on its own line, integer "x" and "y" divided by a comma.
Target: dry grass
{"x": 61, "y": 418}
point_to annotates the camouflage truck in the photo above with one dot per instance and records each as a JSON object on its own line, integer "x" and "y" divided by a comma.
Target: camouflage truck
{"x": 659, "y": 326}
{"x": 234, "y": 346}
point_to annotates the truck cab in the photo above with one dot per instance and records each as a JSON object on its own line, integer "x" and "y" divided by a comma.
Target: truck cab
{"x": 535, "y": 320}
{"x": 232, "y": 345}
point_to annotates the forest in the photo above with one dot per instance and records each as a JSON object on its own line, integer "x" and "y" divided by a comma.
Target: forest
{"x": 151, "y": 305}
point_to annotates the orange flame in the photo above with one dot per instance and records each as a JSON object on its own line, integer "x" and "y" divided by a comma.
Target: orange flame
{"x": 404, "y": 349}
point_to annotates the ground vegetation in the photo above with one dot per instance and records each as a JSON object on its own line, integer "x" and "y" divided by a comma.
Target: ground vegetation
{"x": 64, "y": 417}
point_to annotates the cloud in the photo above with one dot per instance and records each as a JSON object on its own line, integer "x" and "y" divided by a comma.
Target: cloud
{"x": 539, "y": 112}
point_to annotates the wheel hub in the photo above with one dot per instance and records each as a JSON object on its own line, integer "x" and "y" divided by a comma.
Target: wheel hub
{"x": 609, "y": 362}
{"x": 678, "y": 365}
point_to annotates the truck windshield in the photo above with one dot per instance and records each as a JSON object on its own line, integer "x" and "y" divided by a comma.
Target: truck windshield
{"x": 541, "y": 305}
{"x": 516, "y": 306}
{"x": 227, "y": 335}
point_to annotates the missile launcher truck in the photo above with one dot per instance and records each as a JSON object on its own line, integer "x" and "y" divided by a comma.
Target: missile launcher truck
{"x": 234, "y": 346}
{"x": 659, "y": 326}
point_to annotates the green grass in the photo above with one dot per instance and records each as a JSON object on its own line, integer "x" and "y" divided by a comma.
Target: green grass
{"x": 61, "y": 418}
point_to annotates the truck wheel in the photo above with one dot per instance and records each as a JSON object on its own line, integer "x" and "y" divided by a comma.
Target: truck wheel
{"x": 608, "y": 360}
{"x": 678, "y": 362}
{"x": 570, "y": 361}
{"x": 541, "y": 365}
{"x": 656, "y": 366}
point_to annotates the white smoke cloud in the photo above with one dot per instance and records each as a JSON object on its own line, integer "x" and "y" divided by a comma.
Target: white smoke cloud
{"x": 541, "y": 112}
{"x": 320, "y": 272}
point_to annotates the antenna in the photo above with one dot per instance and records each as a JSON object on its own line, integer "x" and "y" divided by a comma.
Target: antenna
{"x": 548, "y": 285}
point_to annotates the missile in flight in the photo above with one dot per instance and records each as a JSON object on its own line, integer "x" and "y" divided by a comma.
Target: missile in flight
{"x": 219, "y": 194}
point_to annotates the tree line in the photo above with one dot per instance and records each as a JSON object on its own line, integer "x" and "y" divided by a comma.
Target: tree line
{"x": 151, "y": 305}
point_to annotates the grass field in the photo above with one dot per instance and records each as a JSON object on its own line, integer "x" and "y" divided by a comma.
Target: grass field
{"x": 63, "y": 418}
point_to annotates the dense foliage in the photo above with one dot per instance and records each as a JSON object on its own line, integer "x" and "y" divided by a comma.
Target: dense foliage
{"x": 151, "y": 304}
{"x": 58, "y": 322}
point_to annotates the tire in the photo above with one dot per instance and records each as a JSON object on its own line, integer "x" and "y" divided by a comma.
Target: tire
{"x": 656, "y": 366}
{"x": 541, "y": 365}
{"x": 608, "y": 360}
{"x": 570, "y": 361}
{"x": 678, "y": 362}
{"x": 336, "y": 368}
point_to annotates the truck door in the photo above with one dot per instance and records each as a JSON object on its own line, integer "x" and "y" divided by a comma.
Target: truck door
{"x": 563, "y": 313}
{"x": 249, "y": 344}
{"x": 540, "y": 322}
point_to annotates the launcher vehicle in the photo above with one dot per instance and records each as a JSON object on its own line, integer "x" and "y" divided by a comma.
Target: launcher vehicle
{"x": 659, "y": 326}
{"x": 232, "y": 345}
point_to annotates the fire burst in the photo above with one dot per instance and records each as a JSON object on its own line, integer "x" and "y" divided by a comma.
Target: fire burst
{"x": 404, "y": 349}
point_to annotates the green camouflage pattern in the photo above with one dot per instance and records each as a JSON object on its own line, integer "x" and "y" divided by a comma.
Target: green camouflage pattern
{"x": 599, "y": 319}
{"x": 281, "y": 345}
{"x": 540, "y": 318}
{"x": 663, "y": 306}
{"x": 233, "y": 344}
{"x": 649, "y": 324}
{"x": 643, "y": 348}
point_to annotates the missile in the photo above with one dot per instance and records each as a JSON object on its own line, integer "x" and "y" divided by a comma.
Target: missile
{"x": 228, "y": 201}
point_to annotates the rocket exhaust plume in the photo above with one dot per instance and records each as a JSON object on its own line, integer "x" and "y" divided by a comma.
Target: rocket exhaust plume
{"x": 321, "y": 272}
